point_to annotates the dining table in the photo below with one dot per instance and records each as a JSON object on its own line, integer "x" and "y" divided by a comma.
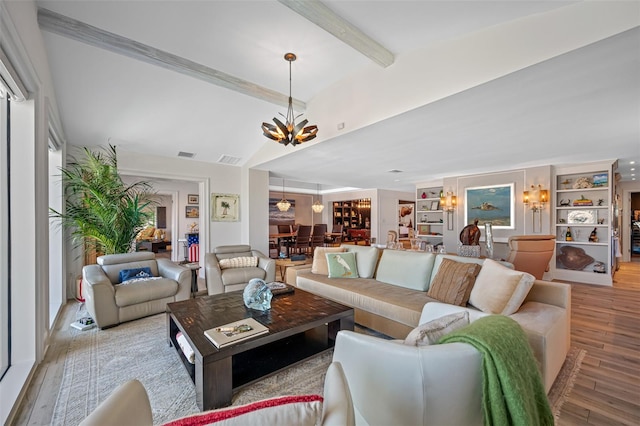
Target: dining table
{"x": 280, "y": 236}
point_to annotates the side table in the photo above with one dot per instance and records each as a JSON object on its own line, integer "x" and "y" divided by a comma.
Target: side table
{"x": 283, "y": 264}
{"x": 194, "y": 277}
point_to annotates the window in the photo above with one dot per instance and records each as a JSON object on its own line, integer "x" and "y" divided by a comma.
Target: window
{"x": 5, "y": 273}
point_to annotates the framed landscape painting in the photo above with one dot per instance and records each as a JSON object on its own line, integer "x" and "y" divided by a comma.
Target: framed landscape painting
{"x": 493, "y": 204}
{"x": 225, "y": 207}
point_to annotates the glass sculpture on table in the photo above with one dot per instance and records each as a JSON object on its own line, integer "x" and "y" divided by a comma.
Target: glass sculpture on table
{"x": 257, "y": 295}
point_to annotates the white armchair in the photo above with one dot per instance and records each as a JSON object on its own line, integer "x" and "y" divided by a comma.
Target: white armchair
{"x": 393, "y": 383}
{"x": 223, "y": 280}
{"x": 109, "y": 302}
{"x": 129, "y": 405}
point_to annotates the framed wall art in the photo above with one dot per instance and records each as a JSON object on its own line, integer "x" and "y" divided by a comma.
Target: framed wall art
{"x": 193, "y": 199}
{"x": 192, "y": 212}
{"x": 225, "y": 207}
{"x": 495, "y": 204}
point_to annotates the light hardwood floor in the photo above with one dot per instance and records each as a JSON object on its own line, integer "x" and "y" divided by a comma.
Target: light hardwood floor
{"x": 605, "y": 322}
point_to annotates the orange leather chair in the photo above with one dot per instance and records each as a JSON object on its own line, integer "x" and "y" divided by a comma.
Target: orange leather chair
{"x": 531, "y": 253}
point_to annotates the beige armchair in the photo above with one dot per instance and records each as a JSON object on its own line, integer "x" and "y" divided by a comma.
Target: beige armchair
{"x": 129, "y": 405}
{"x": 223, "y": 278}
{"x": 531, "y": 253}
{"x": 110, "y": 302}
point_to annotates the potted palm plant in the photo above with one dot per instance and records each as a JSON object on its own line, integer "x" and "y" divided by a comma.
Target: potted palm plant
{"x": 103, "y": 213}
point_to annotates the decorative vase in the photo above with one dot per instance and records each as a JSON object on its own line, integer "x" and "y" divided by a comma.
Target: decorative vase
{"x": 424, "y": 195}
{"x": 488, "y": 235}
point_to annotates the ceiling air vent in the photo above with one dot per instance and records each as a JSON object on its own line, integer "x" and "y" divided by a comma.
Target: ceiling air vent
{"x": 186, "y": 154}
{"x": 228, "y": 159}
{"x": 394, "y": 171}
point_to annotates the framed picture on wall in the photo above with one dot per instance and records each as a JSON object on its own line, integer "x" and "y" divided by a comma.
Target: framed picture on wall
{"x": 192, "y": 212}
{"x": 493, "y": 204}
{"x": 225, "y": 207}
{"x": 193, "y": 199}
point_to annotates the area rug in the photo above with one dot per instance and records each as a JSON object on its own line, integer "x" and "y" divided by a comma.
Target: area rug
{"x": 98, "y": 361}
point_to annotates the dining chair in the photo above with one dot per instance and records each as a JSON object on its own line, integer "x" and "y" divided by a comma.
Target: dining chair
{"x": 302, "y": 241}
{"x": 317, "y": 236}
{"x": 335, "y": 239}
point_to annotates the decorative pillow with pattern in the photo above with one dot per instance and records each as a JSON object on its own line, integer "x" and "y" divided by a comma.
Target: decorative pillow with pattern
{"x": 342, "y": 265}
{"x": 430, "y": 332}
{"x": 290, "y": 410}
{"x": 238, "y": 262}
{"x": 453, "y": 282}
{"x": 500, "y": 290}
{"x": 135, "y": 273}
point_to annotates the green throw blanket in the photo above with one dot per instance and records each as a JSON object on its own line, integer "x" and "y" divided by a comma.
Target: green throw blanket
{"x": 513, "y": 393}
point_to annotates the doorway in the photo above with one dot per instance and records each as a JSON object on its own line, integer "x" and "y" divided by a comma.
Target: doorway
{"x": 633, "y": 220}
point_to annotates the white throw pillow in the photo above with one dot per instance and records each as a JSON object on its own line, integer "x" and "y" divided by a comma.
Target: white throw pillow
{"x": 500, "y": 290}
{"x": 430, "y": 332}
{"x": 283, "y": 410}
{"x": 319, "y": 265}
{"x": 238, "y": 262}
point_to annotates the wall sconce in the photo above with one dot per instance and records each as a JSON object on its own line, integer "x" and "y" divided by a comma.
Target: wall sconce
{"x": 448, "y": 204}
{"x": 536, "y": 198}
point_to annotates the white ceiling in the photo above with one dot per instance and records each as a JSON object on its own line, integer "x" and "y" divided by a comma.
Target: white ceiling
{"x": 579, "y": 106}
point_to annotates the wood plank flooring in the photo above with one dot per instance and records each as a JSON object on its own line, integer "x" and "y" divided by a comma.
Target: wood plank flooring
{"x": 605, "y": 322}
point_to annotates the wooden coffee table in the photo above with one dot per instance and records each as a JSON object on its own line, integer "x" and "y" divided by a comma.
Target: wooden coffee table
{"x": 300, "y": 325}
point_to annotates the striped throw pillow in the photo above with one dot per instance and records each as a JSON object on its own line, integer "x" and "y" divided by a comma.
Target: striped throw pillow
{"x": 238, "y": 262}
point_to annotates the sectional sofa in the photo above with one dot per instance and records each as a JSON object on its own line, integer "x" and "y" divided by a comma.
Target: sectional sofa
{"x": 392, "y": 288}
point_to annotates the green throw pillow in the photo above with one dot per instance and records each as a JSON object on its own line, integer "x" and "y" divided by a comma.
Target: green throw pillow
{"x": 342, "y": 265}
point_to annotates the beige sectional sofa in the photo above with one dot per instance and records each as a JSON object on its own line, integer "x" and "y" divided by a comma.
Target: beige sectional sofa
{"x": 391, "y": 292}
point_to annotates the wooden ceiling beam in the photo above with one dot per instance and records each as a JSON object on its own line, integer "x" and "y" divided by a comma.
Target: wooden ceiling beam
{"x": 316, "y": 12}
{"x": 68, "y": 27}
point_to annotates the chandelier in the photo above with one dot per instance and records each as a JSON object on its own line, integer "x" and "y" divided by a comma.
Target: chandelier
{"x": 317, "y": 205}
{"x": 283, "y": 205}
{"x": 289, "y": 132}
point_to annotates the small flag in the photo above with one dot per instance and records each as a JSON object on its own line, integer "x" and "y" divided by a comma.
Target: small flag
{"x": 194, "y": 253}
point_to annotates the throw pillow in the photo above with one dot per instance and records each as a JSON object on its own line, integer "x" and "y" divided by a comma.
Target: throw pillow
{"x": 430, "y": 332}
{"x": 500, "y": 290}
{"x": 319, "y": 265}
{"x": 453, "y": 282}
{"x": 342, "y": 265}
{"x": 130, "y": 274}
{"x": 293, "y": 410}
{"x": 238, "y": 262}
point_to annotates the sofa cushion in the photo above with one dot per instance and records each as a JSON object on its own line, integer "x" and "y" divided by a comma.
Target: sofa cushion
{"x": 454, "y": 281}
{"x": 500, "y": 290}
{"x": 430, "y": 332}
{"x": 406, "y": 269}
{"x": 113, "y": 270}
{"x": 366, "y": 258}
{"x": 397, "y": 303}
{"x": 319, "y": 265}
{"x": 342, "y": 265}
{"x": 238, "y": 262}
{"x": 144, "y": 290}
{"x": 135, "y": 273}
{"x": 242, "y": 275}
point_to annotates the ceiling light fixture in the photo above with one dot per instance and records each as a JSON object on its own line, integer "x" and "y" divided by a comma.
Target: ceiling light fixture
{"x": 289, "y": 132}
{"x": 317, "y": 205}
{"x": 283, "y": 205}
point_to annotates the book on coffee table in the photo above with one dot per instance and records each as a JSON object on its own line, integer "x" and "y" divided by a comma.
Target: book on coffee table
{"x": 278, "y": 287}
{"x": 235, "y": 332}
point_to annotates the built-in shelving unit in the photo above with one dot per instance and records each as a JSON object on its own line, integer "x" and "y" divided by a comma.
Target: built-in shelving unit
{"x": 429, "y": 216}
{"x": 352, "y": 214}
{"x": 583, "y": 205}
